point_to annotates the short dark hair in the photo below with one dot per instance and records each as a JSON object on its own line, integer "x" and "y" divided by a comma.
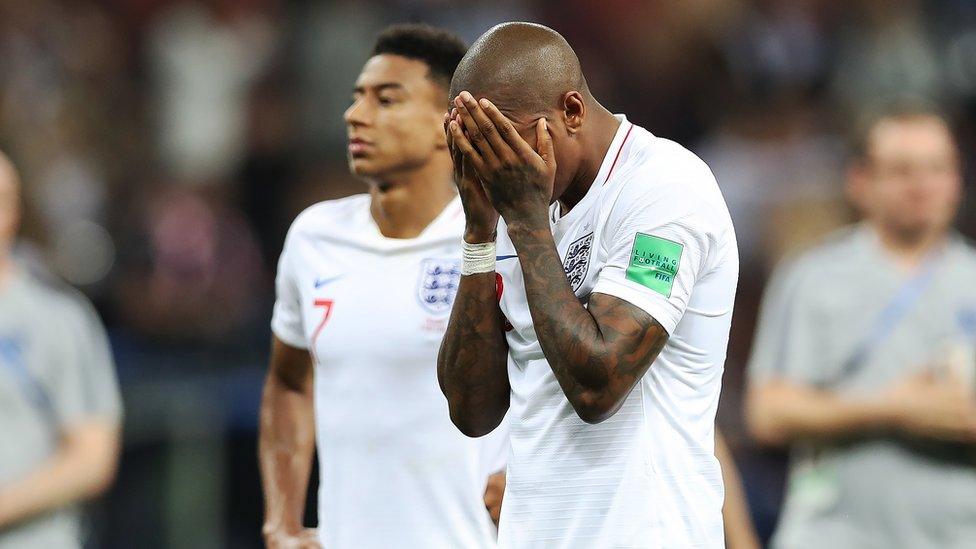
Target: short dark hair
{"x": 903, "y": 108}
{"x": 439, "y": 49}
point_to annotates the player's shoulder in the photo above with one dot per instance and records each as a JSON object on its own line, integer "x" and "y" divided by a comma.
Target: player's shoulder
{"x": 668, "y": 181}
{"x": 659, "y": 160}
{"x": 328, "y": 215}
{"x": 663, "y": 172}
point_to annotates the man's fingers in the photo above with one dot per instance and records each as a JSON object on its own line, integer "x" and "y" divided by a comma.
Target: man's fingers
{"x": 507, "y": 130}
{"x": 473, "y": 131}
{"x": 544, "y": 143}
{"x": 488, "y": 128}
{"x": 456, "y": 156}
{"x": 463, "y": 145}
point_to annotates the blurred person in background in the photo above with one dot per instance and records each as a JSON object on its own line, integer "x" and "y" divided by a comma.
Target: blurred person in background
{"x": 864, "y": 358}
{"x": 364, "y": 288}
{"x": 60, "y": 408}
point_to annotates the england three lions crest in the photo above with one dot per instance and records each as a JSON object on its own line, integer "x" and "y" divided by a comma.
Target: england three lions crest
{"x": 439, "y": 279}
{"x": 578, "y": 260}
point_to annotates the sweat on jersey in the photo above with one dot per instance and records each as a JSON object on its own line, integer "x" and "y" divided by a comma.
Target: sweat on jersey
{"x": 395, "y": 472}
{"x": 654, "y": 231}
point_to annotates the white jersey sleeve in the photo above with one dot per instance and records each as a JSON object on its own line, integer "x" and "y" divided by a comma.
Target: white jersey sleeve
{"x": 656, "y": 248}
{"x": 286, "y": 320}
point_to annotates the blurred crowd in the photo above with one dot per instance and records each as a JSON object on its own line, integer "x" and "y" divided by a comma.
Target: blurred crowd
{"x": 165, "y": 146}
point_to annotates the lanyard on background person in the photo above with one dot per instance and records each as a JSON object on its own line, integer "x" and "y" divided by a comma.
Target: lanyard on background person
{"x": 897, "y": 308}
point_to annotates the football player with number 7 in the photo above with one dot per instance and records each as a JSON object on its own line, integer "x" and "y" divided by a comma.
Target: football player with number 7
{"x": 363, "y": 291}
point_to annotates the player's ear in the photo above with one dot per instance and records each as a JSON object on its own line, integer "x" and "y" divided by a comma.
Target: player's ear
{"x": 574, "y": 111}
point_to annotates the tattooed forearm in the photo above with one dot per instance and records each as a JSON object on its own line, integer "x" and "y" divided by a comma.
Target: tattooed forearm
{"x": 597, "y": 354}
{"x": 472, "y": 365}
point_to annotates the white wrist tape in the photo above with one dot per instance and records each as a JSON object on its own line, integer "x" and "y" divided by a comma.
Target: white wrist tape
{"x": 477, "y": 258}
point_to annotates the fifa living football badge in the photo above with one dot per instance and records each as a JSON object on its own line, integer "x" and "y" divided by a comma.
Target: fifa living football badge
{"x": 439, "y": 279}
{"x": 578, "y": 260}
{"x": 654, "y": 262}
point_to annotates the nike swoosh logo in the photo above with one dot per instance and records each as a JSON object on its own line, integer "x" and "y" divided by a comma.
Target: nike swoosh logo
{"x": 319, "y": 282}
{"x": 501, "y": 257}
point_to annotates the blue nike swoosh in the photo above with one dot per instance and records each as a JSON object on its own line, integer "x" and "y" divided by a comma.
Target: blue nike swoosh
{"x": 319, "y": 282}
{"x": 501, "y": 257}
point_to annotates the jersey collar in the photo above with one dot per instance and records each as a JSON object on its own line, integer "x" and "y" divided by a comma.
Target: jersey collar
{"x": 610, "y": 161}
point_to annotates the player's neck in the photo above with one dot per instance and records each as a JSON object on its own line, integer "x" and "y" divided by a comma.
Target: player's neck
{"x": 604, "y": 130}
{"x": 404, "y": 205}
{"x": 909, "y": 250}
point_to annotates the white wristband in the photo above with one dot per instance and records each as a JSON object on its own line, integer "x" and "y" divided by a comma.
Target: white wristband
{"x": 477, "y": 258}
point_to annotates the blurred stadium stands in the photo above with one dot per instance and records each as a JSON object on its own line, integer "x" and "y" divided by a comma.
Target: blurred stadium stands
{"x": 166, "y": 145}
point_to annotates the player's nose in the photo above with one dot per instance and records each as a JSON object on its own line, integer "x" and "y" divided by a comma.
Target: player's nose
{"x": 357, "y": 114}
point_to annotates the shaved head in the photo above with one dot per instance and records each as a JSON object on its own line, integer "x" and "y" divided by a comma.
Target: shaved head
{"x": 529, "y": 72}
{"x": 522, "y": 67}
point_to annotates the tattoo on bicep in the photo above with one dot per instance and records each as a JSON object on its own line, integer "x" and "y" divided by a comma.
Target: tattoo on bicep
{"x": 605, "y": 348}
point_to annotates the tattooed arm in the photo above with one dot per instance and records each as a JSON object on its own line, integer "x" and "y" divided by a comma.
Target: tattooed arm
{"x": 472, "y": 365}
{"x": 597, "y": 353}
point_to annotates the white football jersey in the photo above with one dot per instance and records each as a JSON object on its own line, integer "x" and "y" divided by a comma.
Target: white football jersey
{"x": 395, "y": 472}
{"x": 652, "y": 230}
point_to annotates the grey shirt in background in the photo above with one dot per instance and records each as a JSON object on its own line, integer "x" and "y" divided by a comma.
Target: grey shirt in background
{"x": 874, "y": 492}
{"x": 56, "y": 368}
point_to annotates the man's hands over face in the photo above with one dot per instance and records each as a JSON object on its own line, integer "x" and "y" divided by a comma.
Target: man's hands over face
{"x": 481, "y": 218}
{"x": 515, "y": 178}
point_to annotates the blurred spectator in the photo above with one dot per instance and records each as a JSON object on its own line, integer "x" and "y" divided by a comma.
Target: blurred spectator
{"x": 205, "y": 55}
{"x": 59, "y": 67}
{"x": 191, "y": 268}
{"x": 864, "y": 360}
{"x": 885, "y": 50}
{"x": 59, "y": 401}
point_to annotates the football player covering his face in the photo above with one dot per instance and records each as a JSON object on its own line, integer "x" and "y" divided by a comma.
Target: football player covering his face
{"x": 599, "y": 274}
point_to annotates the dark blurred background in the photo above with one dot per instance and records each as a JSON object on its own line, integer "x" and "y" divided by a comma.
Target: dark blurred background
{"x": 166, "y": 146}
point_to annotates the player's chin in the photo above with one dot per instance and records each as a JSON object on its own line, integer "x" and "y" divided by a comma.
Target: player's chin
{"x": 364, "y": 166}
